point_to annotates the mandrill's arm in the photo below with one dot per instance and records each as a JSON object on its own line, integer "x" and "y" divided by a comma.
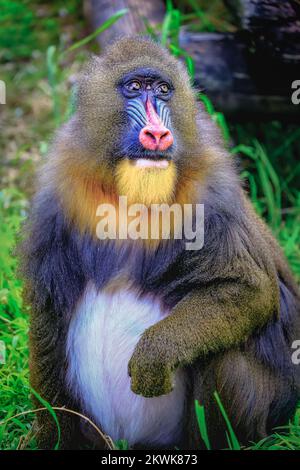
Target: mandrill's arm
{"x": 216, "y": 317}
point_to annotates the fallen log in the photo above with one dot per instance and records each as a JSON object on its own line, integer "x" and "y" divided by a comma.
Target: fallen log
{"x": 273, "y": 27}
{"x": 236, "y": 82}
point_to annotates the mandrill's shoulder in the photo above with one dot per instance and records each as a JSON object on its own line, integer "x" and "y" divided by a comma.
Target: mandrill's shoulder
{"x": 232, "y": 229}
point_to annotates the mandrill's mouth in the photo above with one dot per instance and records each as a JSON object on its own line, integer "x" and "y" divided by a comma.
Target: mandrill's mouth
{"x": 151, "y": 159}
{"x": 151, "y": 163}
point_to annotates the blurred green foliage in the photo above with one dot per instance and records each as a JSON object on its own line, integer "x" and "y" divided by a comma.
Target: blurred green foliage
{"x": 14, "y": 396}
{"x": 30, "y": 25}
{"x": 18, "y": 24}
{"x": 12, "y": 211}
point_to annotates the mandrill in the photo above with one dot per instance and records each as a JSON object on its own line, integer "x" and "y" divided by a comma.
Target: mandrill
{"x": 130, "y": 331}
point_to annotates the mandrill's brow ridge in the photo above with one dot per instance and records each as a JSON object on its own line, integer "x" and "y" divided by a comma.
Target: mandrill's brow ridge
{"x": 144, "y": 73}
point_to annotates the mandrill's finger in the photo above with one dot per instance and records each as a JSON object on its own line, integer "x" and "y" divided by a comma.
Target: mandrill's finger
{"x": 151, "y": 384}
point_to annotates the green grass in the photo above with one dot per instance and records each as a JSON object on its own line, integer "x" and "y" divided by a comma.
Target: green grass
{"x": 269, "y": 168}
{"x": 14, "y": 396}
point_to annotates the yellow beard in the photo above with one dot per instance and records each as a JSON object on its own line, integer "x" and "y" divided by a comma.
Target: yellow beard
{"x": 146, "y": 185}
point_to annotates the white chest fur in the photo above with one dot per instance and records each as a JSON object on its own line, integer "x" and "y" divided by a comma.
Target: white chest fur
{"x": 103, "y": 333}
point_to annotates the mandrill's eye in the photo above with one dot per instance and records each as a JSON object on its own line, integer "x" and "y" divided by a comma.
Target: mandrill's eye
{"x": 133, "y": 86}
{"x": 163, "y": 89}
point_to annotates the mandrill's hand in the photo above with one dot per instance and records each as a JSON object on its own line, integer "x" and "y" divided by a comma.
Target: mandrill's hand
{"x": 151, "y": 374}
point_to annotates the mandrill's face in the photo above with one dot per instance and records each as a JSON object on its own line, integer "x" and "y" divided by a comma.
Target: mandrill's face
{"x": 139, "y": 117}
{"x": 146, "y": 172}
{"x": 149, "y": 140}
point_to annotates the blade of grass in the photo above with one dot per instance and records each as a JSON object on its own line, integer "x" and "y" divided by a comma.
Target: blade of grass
{"x": 53, "y": 414}
{"x": 233, "y": 441}
{"x": 200, "y": 414}
{"x": 98, "y": 31}
{"x": 273, "y": 178}
{"x": 203, "y": 17}
{"x": 188, "y": 60}
{"x": 175, "y": 27}
{"x": 166, "y": 26}
{"x": 150, "y": 30}
{"x": 52, "y": 71}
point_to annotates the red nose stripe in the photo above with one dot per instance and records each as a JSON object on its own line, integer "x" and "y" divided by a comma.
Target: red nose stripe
{"x": 151, "y": 114}
{"x": 155, "y": 136}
